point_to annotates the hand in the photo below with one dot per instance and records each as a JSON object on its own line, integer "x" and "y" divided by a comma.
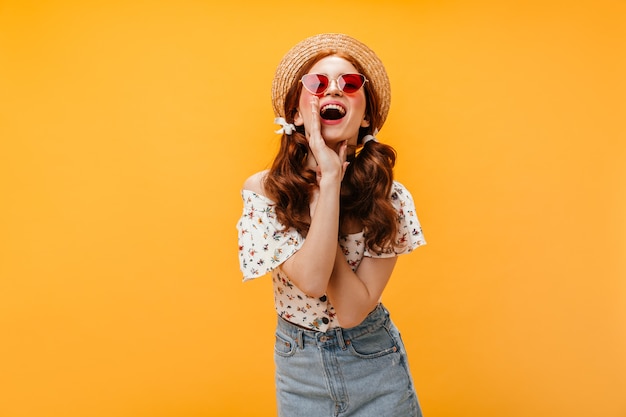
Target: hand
{"x": 330, "y": 163}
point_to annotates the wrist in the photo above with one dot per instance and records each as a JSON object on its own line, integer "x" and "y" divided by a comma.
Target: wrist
{"x": 330, "y": 180}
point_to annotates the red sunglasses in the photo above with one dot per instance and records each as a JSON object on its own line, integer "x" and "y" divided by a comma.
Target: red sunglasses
{"x": 318, "y": 83}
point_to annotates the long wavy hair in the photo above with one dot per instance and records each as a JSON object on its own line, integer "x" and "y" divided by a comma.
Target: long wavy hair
{"x": 367, "y": 183}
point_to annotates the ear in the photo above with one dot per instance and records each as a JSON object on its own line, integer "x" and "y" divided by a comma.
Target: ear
{"x": 297, "y": 119}
{"x": 365, "y": 122}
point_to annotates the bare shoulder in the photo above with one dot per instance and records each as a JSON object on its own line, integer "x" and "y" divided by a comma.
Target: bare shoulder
{"x": 255, "y": 182}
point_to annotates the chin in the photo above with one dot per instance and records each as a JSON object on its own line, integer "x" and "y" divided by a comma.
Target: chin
{"x": 333, "y": 140}
{"x": 338, "y": 135}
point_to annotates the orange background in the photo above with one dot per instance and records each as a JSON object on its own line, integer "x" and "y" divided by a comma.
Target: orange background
{"x": 127, "y": 128}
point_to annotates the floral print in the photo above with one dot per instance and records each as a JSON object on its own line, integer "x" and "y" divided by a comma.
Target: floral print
{"x": 264, "y": 244}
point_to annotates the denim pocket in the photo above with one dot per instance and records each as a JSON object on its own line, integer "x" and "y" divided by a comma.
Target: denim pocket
{"x": 377, "y": 343}
{"x": 284, "y": 346}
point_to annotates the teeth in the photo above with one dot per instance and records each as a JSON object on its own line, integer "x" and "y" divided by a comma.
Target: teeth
{"x": 340, "y": 109}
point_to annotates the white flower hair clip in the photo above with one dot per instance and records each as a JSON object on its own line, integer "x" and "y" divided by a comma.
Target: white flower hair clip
{"x": 287, "y": 128}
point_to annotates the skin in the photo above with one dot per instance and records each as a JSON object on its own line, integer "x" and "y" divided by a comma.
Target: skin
{"x": 320, "y": 267}
{"x": 347, "y": 128}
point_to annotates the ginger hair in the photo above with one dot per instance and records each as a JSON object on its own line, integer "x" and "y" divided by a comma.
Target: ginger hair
{"x": 367, "y": 183}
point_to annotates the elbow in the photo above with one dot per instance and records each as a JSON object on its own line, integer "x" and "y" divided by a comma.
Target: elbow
{"x": 313, "y": 283}
{"x": 351, "y": 315}
{"x": 350, "y": 320}
{"x": 312, "y": 290}
{"x": 310, "y": 287}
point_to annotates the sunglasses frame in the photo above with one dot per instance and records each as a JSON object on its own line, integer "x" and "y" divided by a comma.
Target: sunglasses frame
{"x": 363, "y": 79}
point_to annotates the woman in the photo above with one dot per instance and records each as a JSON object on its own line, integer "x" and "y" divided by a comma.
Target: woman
{"x": 328, "y": 220}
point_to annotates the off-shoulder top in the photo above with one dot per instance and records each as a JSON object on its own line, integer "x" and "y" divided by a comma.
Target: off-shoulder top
{"x": 264, "y": 244}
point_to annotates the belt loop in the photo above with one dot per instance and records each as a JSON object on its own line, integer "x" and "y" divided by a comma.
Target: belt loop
{"x": 300, "y": 339}
{"x": 340, "y": 340}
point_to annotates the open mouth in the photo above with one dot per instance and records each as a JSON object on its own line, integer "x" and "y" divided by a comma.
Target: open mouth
{"x": 332, "y": 112}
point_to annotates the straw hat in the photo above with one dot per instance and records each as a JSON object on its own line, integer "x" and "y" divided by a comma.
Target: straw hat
{"x": 302, "y": 52}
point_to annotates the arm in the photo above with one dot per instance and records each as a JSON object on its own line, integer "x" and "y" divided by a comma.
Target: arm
{"x": 310, "y": 268}
{"x": 355, "y": 294}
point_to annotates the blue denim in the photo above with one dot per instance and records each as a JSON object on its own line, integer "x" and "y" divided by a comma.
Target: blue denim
{"x": 357, "y": 372}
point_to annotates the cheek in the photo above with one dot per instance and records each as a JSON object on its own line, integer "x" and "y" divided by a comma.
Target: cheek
{"x": 304, "y": 105}
{"x": 304, "y": 110}
{"x": 359, "y": 106}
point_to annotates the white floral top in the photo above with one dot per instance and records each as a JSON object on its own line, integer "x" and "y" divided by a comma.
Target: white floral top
{"x": 264, "y": 246}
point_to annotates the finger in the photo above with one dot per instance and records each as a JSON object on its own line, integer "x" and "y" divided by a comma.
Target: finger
{"x": 344, "y": 168}
{"x": 343, "y": 154}
{"x": 343, "y": 151}
{"x": 315, "y": 118}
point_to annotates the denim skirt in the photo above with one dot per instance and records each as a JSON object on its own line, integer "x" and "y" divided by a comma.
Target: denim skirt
{"x": 357, "y": 372}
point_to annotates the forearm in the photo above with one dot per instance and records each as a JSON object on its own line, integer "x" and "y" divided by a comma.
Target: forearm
{"x": 352, "y": 297}
{"x": 311, "y": 267}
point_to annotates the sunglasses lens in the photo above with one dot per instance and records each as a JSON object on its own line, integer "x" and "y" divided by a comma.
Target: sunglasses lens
{"x": 315, "y": 83}
{"x": 350, "y": 83}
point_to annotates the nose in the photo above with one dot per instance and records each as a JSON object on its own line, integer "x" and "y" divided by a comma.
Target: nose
{"x": 333, "y": 88}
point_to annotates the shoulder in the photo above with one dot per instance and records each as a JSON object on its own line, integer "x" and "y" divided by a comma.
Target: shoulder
{"x": 255, "y": 182}
{"x": 401, "y": 198}
{"x": 399, "y": 191}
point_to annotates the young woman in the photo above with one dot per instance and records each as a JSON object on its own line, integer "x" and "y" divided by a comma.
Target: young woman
{"x": 328, "y": 220}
